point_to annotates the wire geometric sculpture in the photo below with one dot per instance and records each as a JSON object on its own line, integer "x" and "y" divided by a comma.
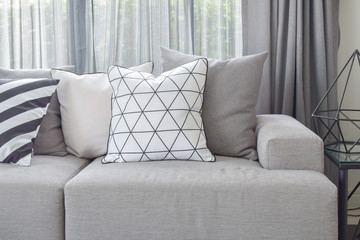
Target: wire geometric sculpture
{"x": 343, "y": 121}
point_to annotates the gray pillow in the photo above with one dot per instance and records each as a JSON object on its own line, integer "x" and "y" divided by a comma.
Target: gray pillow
{"x": 50, "y": 138}
{"x": 230, "y": 96}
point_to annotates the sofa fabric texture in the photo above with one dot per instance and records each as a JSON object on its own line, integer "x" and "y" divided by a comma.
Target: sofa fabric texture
{"x": 229, "y": 121}
{"x": 158, "y": 118}
{"x": 85, "y": 107}
{"x": 231, "y": 198}
{"x": 285, "y": 143}
{"x": 32, "y": 198}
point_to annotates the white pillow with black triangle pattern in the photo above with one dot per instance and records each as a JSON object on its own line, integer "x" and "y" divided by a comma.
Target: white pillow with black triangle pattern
{"x": 158, "y": 118}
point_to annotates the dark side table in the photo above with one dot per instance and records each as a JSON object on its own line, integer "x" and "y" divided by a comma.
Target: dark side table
{"x": 344, "y": 162}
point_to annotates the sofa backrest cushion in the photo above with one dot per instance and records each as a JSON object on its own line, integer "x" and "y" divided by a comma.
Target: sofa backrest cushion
{"x": 85, "y": 107}
{"x": 158, "y": 118}
{"x": 230, "y": 97}
{"x": 23, "y": 103}
{"x": 30, "y": 73}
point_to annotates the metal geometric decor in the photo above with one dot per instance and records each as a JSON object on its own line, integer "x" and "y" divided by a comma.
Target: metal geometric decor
{"x": 340, "y": 127}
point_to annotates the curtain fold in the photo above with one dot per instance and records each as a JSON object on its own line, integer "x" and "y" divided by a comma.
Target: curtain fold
{"x": 78, "y": 43}
{"x": 302, "y": 39}
{"x": 34, "y": 33}
{"x": 130, "y": 32}
{"x": 95, "y": 34}
{"x": 127, "y": 32}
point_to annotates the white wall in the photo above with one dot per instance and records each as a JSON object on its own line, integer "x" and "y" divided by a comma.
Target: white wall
{"x": 349, "y": 41}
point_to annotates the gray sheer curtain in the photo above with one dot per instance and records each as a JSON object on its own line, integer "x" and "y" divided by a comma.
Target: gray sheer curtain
{"x": 302, "y": 39}
{"x": 34, "y": 34}
{"x": 130, "y": 32}
{"x": 126, "y": 32}
{"x": 94, "y": 34}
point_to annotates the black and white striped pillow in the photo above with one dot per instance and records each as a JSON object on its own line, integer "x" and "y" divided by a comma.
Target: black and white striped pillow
{"x": 23, "y": 103}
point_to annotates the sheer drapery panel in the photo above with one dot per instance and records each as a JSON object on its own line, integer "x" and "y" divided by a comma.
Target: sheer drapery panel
{"x": 94, "y": 34}
{"x": 217, "y": 28}
{"x": 34, "y": 33}
{"x": 128, "y": 32}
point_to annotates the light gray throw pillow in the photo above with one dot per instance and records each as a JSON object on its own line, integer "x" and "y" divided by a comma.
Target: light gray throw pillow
{"x": 231, "y": 94}
{"x": 50, "y": 138}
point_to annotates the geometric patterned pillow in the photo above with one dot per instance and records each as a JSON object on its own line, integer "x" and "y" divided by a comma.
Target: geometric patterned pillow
{"x": 158, "y": 118}
{"x": 23, "y": 103}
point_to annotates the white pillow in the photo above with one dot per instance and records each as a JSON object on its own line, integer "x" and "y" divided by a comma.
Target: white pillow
{"x": 158, "y": 118}
{"x": 85, "y": 107}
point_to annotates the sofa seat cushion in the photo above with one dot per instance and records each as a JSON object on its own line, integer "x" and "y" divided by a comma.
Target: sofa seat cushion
{"x": 32, "y": 198}
{"x": 232, "y": 198}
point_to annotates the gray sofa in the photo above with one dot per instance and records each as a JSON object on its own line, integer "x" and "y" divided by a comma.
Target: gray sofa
{"x": 284, "y": 195}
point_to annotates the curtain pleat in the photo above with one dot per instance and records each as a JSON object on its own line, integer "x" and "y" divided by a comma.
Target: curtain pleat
{"x": 127, "y": 32}
{"x": 302, "y": 40}
{"x": 33, "y": 33}
{"x": 94, "y": 34}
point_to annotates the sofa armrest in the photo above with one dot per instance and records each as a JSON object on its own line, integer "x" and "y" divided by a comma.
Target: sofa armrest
{"x": 285, "y": 143}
